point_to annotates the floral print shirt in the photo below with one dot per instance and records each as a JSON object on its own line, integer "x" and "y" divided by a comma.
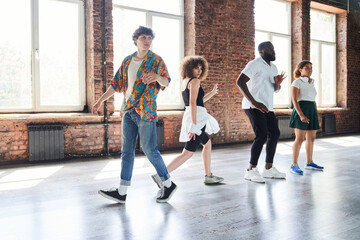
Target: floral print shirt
{"x": 143, "y": 96}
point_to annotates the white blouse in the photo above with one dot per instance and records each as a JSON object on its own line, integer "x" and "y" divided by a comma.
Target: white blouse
{"x": 307, "y": 91}
{"x": 203, "y": 118}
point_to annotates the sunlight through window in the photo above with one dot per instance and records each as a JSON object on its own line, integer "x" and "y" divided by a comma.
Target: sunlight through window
{"x": 141, "y": 166}
{"x": 166, "y": 18}
{"x": 26, "y": 178}
{"x": 276, "y": 28}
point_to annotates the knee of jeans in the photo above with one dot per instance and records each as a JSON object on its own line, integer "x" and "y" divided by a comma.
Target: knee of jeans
{"x": 261, "y": 138}
{"x": 150, "y": 151}
{"x": 127, "y": 153}
{"x": 276, "y": 134}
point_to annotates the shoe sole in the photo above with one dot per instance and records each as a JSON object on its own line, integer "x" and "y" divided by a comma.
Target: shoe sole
{"x": 312, "y": 168}
{"x": 254, "y": 181}
{"x": 110, "y": 198}
{"x": 165, "y": 200}
{"x": 209, "y": 183}
{"x": 296, "y": 173}
{"x": 275, "y": 177}
{"x": 154, "y": 178}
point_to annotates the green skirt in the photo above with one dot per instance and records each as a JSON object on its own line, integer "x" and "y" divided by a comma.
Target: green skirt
{"x": 309, "y": 110}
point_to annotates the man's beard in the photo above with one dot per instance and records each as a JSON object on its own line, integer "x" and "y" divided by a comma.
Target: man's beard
{"x": 269, "y": 57}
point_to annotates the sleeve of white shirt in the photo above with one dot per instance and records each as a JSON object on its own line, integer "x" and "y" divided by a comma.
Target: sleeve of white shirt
{"x": 296, "y": 83}
{"x": 250, "y": 69}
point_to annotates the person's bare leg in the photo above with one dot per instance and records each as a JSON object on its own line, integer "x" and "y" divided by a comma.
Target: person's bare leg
{"x": 179, "y": 160}
{"x": 206, "y": 156}
{"x": 309, "y": 145}
{"x": 299, "y": 138}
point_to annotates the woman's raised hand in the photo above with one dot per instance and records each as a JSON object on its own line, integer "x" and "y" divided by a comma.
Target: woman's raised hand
{"x": 215, "y": 89}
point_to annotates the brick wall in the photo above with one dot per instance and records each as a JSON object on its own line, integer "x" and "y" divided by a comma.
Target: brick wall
{"x": 224, "y": 34}
{"x": 300, "y": 31}
{"x": 350, "y": 121}
{"x": 222, "y": 31}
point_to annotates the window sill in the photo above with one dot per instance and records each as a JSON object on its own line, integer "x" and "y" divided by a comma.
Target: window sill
{"x": 44, "y": 115}
{"x": 288, "y": 111}
{"x": 160, "y": 113}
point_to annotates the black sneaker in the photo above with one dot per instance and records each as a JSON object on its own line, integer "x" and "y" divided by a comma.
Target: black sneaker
{"x": 113, "y": 194}
{"x": 166, "y": 193}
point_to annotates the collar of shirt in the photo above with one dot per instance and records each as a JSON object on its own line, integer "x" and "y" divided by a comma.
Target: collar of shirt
{"x": 269, "y": 65}
{"x": 306, "y": 79}
{"x": 148, "y": 55}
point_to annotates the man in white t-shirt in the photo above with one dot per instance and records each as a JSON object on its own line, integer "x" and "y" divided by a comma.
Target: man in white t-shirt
{"x": 258, "y": 82}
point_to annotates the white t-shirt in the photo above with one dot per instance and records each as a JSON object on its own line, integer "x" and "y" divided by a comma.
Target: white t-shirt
{"x": 132, "y": 72}
{"x": 261, "y": 83}
{"x": 307, "y": 91}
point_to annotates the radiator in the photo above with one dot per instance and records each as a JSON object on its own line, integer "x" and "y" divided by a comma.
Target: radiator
{"x": 160, "y": 135}
{"x": 46, "y": 142}
{"x": 283, "y": 123}
{"x": 329, "y": 123}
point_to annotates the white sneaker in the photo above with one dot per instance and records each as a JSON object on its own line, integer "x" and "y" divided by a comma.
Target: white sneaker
{"x": 273, "y": 173}
{"x": 254, "y": 176}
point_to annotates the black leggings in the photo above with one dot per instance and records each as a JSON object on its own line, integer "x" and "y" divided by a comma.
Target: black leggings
{"x": 192, "y": 145}
{"x": 266, "y": 131}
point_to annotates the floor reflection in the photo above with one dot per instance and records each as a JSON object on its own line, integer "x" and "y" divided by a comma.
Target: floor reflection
{"x": 60, "y": 200}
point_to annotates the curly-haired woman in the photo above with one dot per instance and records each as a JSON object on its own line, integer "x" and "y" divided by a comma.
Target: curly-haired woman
{"x": 196, "y": 122}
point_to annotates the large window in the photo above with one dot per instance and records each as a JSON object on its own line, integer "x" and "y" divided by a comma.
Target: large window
{"x": 42, "y": 55}
{"x": 273, "y": 23}
{"x": 166, "y": 19}
{"x": 323, "y": 56}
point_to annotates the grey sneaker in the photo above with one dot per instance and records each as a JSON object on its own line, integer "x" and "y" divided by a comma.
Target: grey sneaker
{"x": 157, "y": 180}
{"x": 212, "y": 179}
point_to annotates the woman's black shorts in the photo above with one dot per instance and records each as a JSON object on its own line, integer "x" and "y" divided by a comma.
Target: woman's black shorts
{"x": 192, "y": 145}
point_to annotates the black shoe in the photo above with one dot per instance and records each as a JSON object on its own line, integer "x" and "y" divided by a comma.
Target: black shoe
{"x": 113, "y": 195}
{"x": 166, "y": 193}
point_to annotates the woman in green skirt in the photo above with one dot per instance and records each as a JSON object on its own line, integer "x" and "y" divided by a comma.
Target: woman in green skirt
{"x": 304, "y": 118}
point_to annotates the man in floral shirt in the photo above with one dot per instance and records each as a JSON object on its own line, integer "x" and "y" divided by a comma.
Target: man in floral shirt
{"x": 140, "y": 77}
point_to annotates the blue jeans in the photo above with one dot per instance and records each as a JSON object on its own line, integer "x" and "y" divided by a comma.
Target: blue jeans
{"x": 132, "y": 126}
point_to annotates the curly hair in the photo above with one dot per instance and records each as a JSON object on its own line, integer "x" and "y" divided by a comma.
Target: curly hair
{"x": 189, "y": 63}
{"x": 140, "y": 31}
{"x": 301, "y": 65}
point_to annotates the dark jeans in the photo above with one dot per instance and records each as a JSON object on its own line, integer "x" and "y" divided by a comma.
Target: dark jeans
{"x": 266, "y": 131}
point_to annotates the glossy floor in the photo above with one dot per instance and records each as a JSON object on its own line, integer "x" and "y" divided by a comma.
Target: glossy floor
{"x": 60, "y": 200}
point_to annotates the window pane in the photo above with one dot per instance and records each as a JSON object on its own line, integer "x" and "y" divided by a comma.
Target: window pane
{"x": 166, "y": 44}
{"x": 165, "y": 6}
{"x": 59, "y": 53}
{"x": 125, "y": 23}
{"x": 282, "y": 62}
{"x": 328, "y": 74}
{"x": 272, "y": 16}
{"x": 15, "y": 54}
{"x": 322, "y": 26}
{"x": 315, "y": 59}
